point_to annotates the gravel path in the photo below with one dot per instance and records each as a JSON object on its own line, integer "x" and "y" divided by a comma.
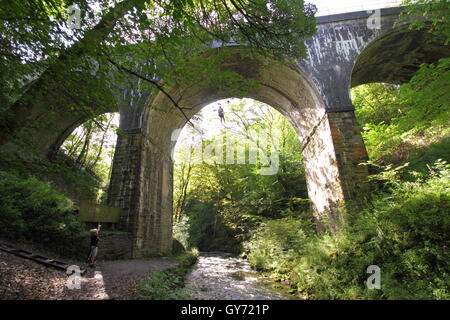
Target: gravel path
{"x": 216, "y": 276}
{"x": 22, "y": 279}
{"x": 219, "y": 276}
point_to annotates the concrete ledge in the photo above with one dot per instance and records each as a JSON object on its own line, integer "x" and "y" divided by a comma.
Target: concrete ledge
{"x": 357, "y": 15}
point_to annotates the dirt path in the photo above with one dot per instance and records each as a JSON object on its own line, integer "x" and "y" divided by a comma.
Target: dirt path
{"x": 25, "y": 279}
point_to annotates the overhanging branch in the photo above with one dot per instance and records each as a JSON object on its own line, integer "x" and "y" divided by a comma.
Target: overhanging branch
{"x": 154, "y": 83}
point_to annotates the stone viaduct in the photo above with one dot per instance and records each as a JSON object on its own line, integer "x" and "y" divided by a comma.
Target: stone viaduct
{"x": 348, "y": 50}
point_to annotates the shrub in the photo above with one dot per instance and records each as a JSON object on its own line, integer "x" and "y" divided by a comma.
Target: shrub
{"x": 208, "y": 230}
{"x": 68, "y": 179}
{"x": 168, "y": 284}
{"x": 405, "y": 232}
{"x": 35, "y": 211}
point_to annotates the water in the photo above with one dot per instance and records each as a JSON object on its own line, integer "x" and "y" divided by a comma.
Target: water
{"x": 221, "y": 276}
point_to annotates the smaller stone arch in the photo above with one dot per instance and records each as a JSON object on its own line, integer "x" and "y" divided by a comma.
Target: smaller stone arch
{"x": 395, "y": 56}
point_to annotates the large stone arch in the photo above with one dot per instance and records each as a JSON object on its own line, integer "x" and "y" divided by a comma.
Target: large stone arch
{"x": 345, "y": 51}
{"x": 331, "y": 145}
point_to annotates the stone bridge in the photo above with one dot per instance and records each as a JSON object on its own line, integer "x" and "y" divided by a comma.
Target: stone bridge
{"x": 348, "y": 50}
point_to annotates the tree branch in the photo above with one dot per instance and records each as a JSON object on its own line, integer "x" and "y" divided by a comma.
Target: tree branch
{"x": 154, "y": 83}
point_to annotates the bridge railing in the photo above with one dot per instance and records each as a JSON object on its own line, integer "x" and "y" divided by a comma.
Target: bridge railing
{"x": 329, "y": 7}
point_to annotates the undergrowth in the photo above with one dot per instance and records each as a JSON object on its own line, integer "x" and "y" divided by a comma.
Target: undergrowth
{"x": 75, "y": 183}
{"x": 168, "y": 284}
{"x": 33, "y": 210}
{"x": 405, "y": 231}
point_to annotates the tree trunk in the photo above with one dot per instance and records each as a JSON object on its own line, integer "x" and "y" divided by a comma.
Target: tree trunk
{"x": 105, "y": 132}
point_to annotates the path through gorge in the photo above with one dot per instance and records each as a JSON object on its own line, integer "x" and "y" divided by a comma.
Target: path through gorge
{"x": 216, "y": 276}
{"x": 22, "y": 279}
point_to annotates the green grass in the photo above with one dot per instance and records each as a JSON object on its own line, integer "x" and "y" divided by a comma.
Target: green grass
{"x": 422, "y": 157}
{"x": 168, "y": 284}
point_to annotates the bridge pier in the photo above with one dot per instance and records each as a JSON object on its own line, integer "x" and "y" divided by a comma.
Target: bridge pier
{"x": 141, "y": 186}
{"x": 332, "y": 153}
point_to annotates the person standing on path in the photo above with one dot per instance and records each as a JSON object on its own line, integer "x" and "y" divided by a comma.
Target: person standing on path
{"x": 221, "y": 115}
{"x": 93, "y": 246}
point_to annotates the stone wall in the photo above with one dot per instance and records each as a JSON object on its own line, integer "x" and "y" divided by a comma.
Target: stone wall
{"x": 350, "y": 154}
{"x": 99, "y": 213}
{"x": 153, "y": 224}
{"x": 123, "y": 187}
{"x": 141, "y": 186}
{"x": 322, "y": 175}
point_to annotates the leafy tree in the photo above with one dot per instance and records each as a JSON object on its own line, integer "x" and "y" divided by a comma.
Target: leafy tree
{"x": 33, "y": 210}
{"x": 91, "y": 146}
{"x": 145, "y": 39}
{"x": 433, "y": 15}
{"x": 223, "y": 201}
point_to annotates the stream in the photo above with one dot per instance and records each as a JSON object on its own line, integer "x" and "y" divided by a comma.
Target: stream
{"x": 222, "y": 276}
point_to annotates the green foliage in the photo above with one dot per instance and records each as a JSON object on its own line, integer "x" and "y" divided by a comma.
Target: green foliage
{"x": 374, "y": 103}
{"x": 397, "y": 121}
{"x": 224, "y": 201}
{"x": 400, "y": 120}
{"x": 405, "y": 232}
{"x": 64, "y": 175}
{"x": 180, "y": 231}
{"x": 208, "y": 230}
{"x": 420, "y": 158}
{"x": 427, "y": 96}
{"x": 435, "y": 16}
{"x": 33, "y": 210}
{"x": 90, "y": 148}
{"x": 168, "y": 284}
{"x": 280, "y": 238}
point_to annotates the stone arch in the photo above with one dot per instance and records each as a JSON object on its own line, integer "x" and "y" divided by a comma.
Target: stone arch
{"x": 70, "y": 128}
{"x": 284, "y": 87}
{"x": 325, "y": 138}
{"x": 68, "y": 122}
{"x": 394, "y": 56}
